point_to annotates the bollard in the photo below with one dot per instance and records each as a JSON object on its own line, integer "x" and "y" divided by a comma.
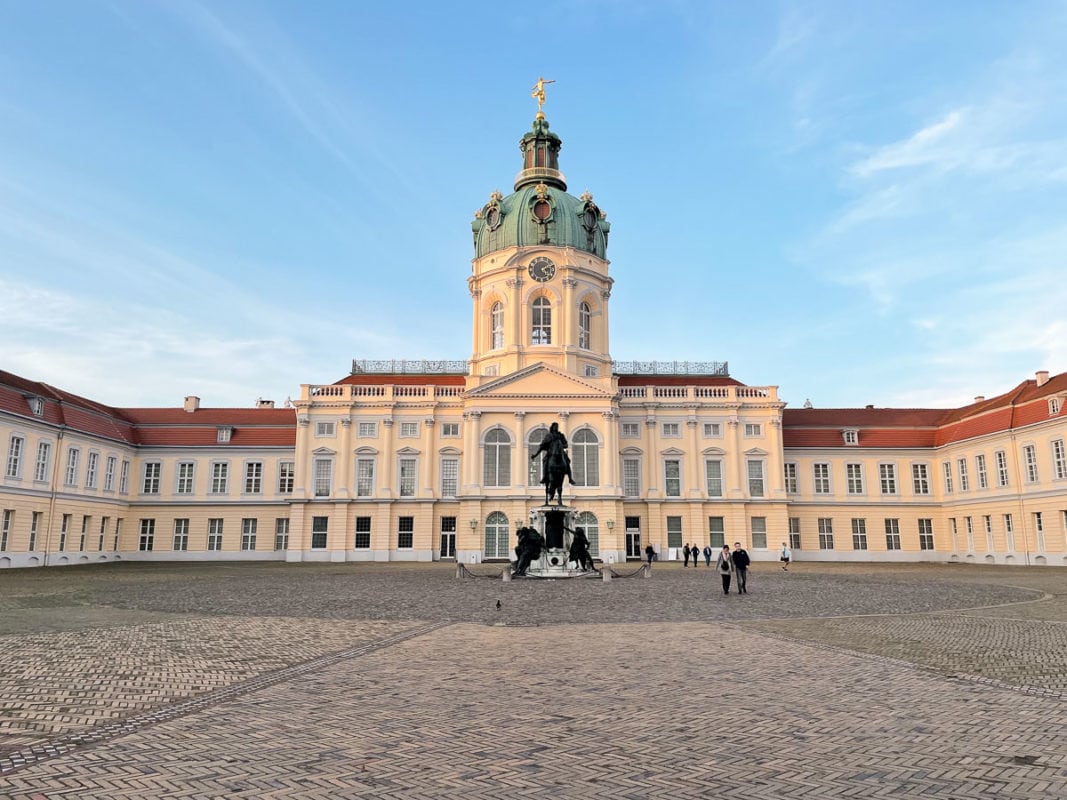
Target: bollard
{"x": 506, "y": 574}
{"x": 459, "y": 570}
{"x": 606, "y": 572}
{"x": 647, "y": 571}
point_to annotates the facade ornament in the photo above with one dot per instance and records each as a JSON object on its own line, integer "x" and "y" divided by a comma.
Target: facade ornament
{"x": 429, "y": 422}
{"x": 346, "y": 422}
{"x": 495, "y": 196}
{"x": 570, "y": 283}
{"x": 605, "y": 294}
{"x": 388, "y": 422}
{"x": 586, "y": 196}
{"x": 303, "y": 420}
{"x": 542, "y": 191}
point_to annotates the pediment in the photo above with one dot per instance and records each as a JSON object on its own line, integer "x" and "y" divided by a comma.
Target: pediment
{"x": 366, "y": 451}
{"x": 713, "y": 451}
{"x": 450, "y": 451}
{"x": 539, "y": 381}
{"x": 672, "y": 451}
{"x": 407, "y": 451}
{"x": 755, "y": 451}
{"x": 323, "y": 451}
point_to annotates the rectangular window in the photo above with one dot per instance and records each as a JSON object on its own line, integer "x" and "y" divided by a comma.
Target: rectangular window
{"x": 220, "y": 477}
{"x": 320, "y": 527}
{"x": 794, "y": 533}
{"x": 14, "y": 457}
{"x": 185, "y": 478}
{"x": 753, "y": 429}
{"x": 887, "y": 475}
{"x": 672, "y": 477}
{"x": 35, "y": 527}
{"x": 286, "y": 477}
{"x": 450, "y": 430}
{"x": 926, "y": 534}
{"x": 671, "y": 430}
{"x": 407, "y": 477}
{"x": 892, "y": 534}
{"x": 44, "y": 455}
{"x": 717, "y": 531}
{"x": 674, "y": 531}
{"x": 91, "y": 468}
{"x": 405, "y": 538}
{"x": 631, "y": 430}
{"x": 365, "y": 477}
{"x": 821, "y": 475}
{"x": 363, "y": 533}
{"x": 181, "y": 534}
{"x": 281, "y": 533}
{"x": 367, "y": 430}
{"x": 409, "y": 430}
{"x": 946, "y": 473}
{"x": 5, "y": 528}
{"x": 323, "y": 477}
{"x": 755, "y": 478}
{"x": 920, "y": 479}
{"x": 965, "y": 481}
{"x": 980, "y": 471}
{"x": 1039, "y": 529}
{"x": 223, "y": 434}
{"x": 254, "y": 477}
{"x": 631, "y": 477}
{"x": 150, "y": 484}
{"x": 325, "y": 428}
{"x": 969, "y": 525}
{"x": 987, "y": 522}
{"x": 1030, "y": 459}
{"x": 712, "y": 430}
{"x": 852, "y": 437}
{"x": 1002, "y": 468}
{"x": 72, "y": 466}
{"x": 713, "y": 476}
{"x": 826, "y": 533}
{"x": 248, "y": 533}
{"x": 148, "y": 535}
{"x": 1059, "y": 460}
{"x": 859, "y": 534}
{"x": 955, "y": 534}
{"x": 103, "y": 530}
{"x": 64, "y": 529}
{"x": 214, "y": 534}
{"x": 854, "y": 477}
{"x": 118, "y": 532}
{"x": 449, "y": 477}
{"x": 759, "y": 532}
{"x": 1009, "y": 533}
{"x": 124, "y": 477}
{"x": 85, "y": 533}
{"x": 792, "y": 483}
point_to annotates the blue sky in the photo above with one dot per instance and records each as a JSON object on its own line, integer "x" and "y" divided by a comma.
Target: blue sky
{"x": 857, "y": 202}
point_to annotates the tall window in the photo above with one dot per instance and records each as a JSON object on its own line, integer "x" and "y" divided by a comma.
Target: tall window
{"x": 181, "y": 535}
{"x": 248, "y": 533}
{"x": 755, "y": 478}
{"x": 44, "y": 453}
{"x": 716, "y": 531}
{"x": 794, "y": 533}
{"x": 533, "y": 465}
{"x": 185, "y": 477}
{"x": 1030, "y": 459}
{"x": 214, "y": 534}
{"x": 124, "y": 477}
{"x": 987, "y": 522}
{"x": 946, "y": 472}
{"x": 920, "y": 479}
{"x": 887, "y": 474}
{"x": 497, "y": 466}
{"x": 72, "y": 466}
{"x": 14, "y": 457}
{"x": 449, "y": 477}
{"x": 980, "y": 471}
{"x": 362, "y": 540}
{"x": 1009, "y": 533}
{"x": 85, "y": 533}
{"x": 64, "y": 529}
{"x": 405, "y": 538}
{"x": 408, "y": 470}
{"x": 35, "y": 527}
{"x": 822, "y": 478}
{"x": 713, "y": 476}
{"x": 892, "y": 534}
{"x": 253, "y": 477}
{"x": 497, "y": 531}
{"x": 281, "y": 533}
{"x": 631, "y": 477}
{"x": 103, "y": 530}
{"x": 320, "y": 530}
{"x": 792, "y": 483}
{"x": 589, "y": 523}
{"x": 585, "y": 458}
{"x": 541, "y": 332}
{"x": 1002, "y": 468}
{"x": 286, "y": 476}
{"x": 826, "y": 533}
{"x": 672, "y": 477}
{"x": 220, "y": 476}
{"x": 323, "y": 477}
{"x": 759, "y": 532}
{"x": 5, "y": 528}
{"x": 152, "y": 472}
{"x": 364, "y": 477}
{"x": 854, "y": 477}
{"x": 1059, "y": 459}
{"x": 584, "y": 317}
{"x": 92, "y": 465}
{"x": 674, "y": 531}
{"x": 118, "y": 533}
{"x": 496, "y": 326}
{"x": 969, "y": 524}
{"x": 148, "y": 535}
{"x": 859, "y": 534}
{"x": 965, "y": 481}
{"x": 926, "y": 534}
{"x": 1039, "y": 529}
{"x": 955, "y": 535}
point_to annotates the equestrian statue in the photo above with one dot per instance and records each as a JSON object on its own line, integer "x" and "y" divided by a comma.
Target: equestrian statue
{"x": 555, "y": 464}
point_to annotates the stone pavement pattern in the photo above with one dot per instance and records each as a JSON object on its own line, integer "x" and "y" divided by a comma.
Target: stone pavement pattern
{"x": 691, "y": 688}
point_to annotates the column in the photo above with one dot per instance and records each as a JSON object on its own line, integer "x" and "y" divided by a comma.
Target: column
{"x": 345, "y": 458}
{"x": 610, "y": 479}
{"x": 429, "y": 450}
{"x": 387, "y": 469}
{"x": 735, "y": 458}
{"x": 472, "y": 434}
{"x": 520, "y": 456}
{"x": 693, "y": 461}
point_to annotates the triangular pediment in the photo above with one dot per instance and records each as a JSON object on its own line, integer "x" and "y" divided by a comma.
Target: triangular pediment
{"x": 539, "y": 380}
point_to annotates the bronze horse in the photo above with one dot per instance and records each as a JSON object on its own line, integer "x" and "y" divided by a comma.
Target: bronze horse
{"x": 556, "y": 465}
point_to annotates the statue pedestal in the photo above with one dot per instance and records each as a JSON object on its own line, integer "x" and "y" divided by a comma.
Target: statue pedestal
{"x": 555, "y": 523}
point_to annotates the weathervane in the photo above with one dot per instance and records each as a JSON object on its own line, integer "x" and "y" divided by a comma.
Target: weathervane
{"x": 538, "y": 94}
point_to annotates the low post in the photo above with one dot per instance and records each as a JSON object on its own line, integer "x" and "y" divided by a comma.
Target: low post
{"x": 606, "y": 572}
{"x": 459, "y": 570}
{"x": 506, "y": 574}
{"x": 646, "y": 570}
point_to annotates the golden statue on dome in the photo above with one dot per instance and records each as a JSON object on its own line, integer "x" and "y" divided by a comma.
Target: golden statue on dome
{"x": 538, "y": 93}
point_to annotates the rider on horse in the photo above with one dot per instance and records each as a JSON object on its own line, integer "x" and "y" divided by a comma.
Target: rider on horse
{"x": 554, "y": 446}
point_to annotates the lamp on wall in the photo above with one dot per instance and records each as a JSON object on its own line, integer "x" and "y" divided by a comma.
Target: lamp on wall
{"x": 474, "y": 524}
{"x": 610, "y": 523}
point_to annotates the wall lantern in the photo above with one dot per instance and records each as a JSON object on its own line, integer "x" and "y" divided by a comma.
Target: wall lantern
{"x": 474, "y": 524}
{"x": 610, "y": 523}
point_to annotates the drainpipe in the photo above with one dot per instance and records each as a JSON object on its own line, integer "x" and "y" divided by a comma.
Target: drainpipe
{"x": 52, "y": 493}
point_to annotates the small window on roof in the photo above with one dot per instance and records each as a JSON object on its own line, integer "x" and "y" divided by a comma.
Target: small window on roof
{"x": 851, "y": 436}
{"x": 37, "y": 406}
{"x": 1054, "y": 406}
{"x": 224, "y": 433}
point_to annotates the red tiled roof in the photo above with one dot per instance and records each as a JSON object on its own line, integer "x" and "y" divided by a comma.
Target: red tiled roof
{"x": 677, "y": 380}
{"x": 380, "y": 379}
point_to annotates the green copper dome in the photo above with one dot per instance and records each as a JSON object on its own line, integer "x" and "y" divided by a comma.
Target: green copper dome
{"x": 540, "y": 211}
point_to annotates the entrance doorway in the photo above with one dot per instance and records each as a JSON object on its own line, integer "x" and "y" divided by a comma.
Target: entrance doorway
{"x": 633, "y": 538}
{"x": 448, "y": 537}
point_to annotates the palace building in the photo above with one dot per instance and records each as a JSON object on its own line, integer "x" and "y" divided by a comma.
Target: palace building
{"x": 420, "y": 461}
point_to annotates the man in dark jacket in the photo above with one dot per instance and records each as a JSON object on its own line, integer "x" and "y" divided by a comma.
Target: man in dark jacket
{"x": 741, "y": 562}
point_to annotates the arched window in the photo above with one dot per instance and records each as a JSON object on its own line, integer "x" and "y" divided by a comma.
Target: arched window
{"x": 497, "y": 530}
{"x": 583, "y": 326}
{"x": 496, "y": 326}
{"x": 588, "y": 521}
{"x": 541, "y": 331}
{"x": 497, "y": 470}
{"x": 533, "y": 441}
{"x": 585, "y": 458}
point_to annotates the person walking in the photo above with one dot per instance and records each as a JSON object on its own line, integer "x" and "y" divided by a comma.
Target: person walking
{"x": 724, "y": 566}
{"x": 685, "y": 552}
{"x": 707, "y": 555}
{"x": 741, "y": 562}
{"x": 650, "y": 553}
{"x": 785, "y": 556}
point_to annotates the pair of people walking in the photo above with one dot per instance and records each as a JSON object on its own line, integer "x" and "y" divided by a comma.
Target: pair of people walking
{"x": 729, "y": 564}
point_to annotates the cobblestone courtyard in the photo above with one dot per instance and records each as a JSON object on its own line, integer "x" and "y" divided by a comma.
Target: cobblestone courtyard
{"x": 395, "y": 680}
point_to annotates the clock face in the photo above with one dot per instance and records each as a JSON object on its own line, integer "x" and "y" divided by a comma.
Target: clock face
{"x": 542, "y": 269}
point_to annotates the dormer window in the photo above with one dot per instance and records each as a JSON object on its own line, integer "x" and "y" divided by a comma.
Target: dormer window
{"x": 1054, "y": 406}
{"x": 851, "y": 436}
{"x": 224, "y": 432}
{"x": 36, "y": 406}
